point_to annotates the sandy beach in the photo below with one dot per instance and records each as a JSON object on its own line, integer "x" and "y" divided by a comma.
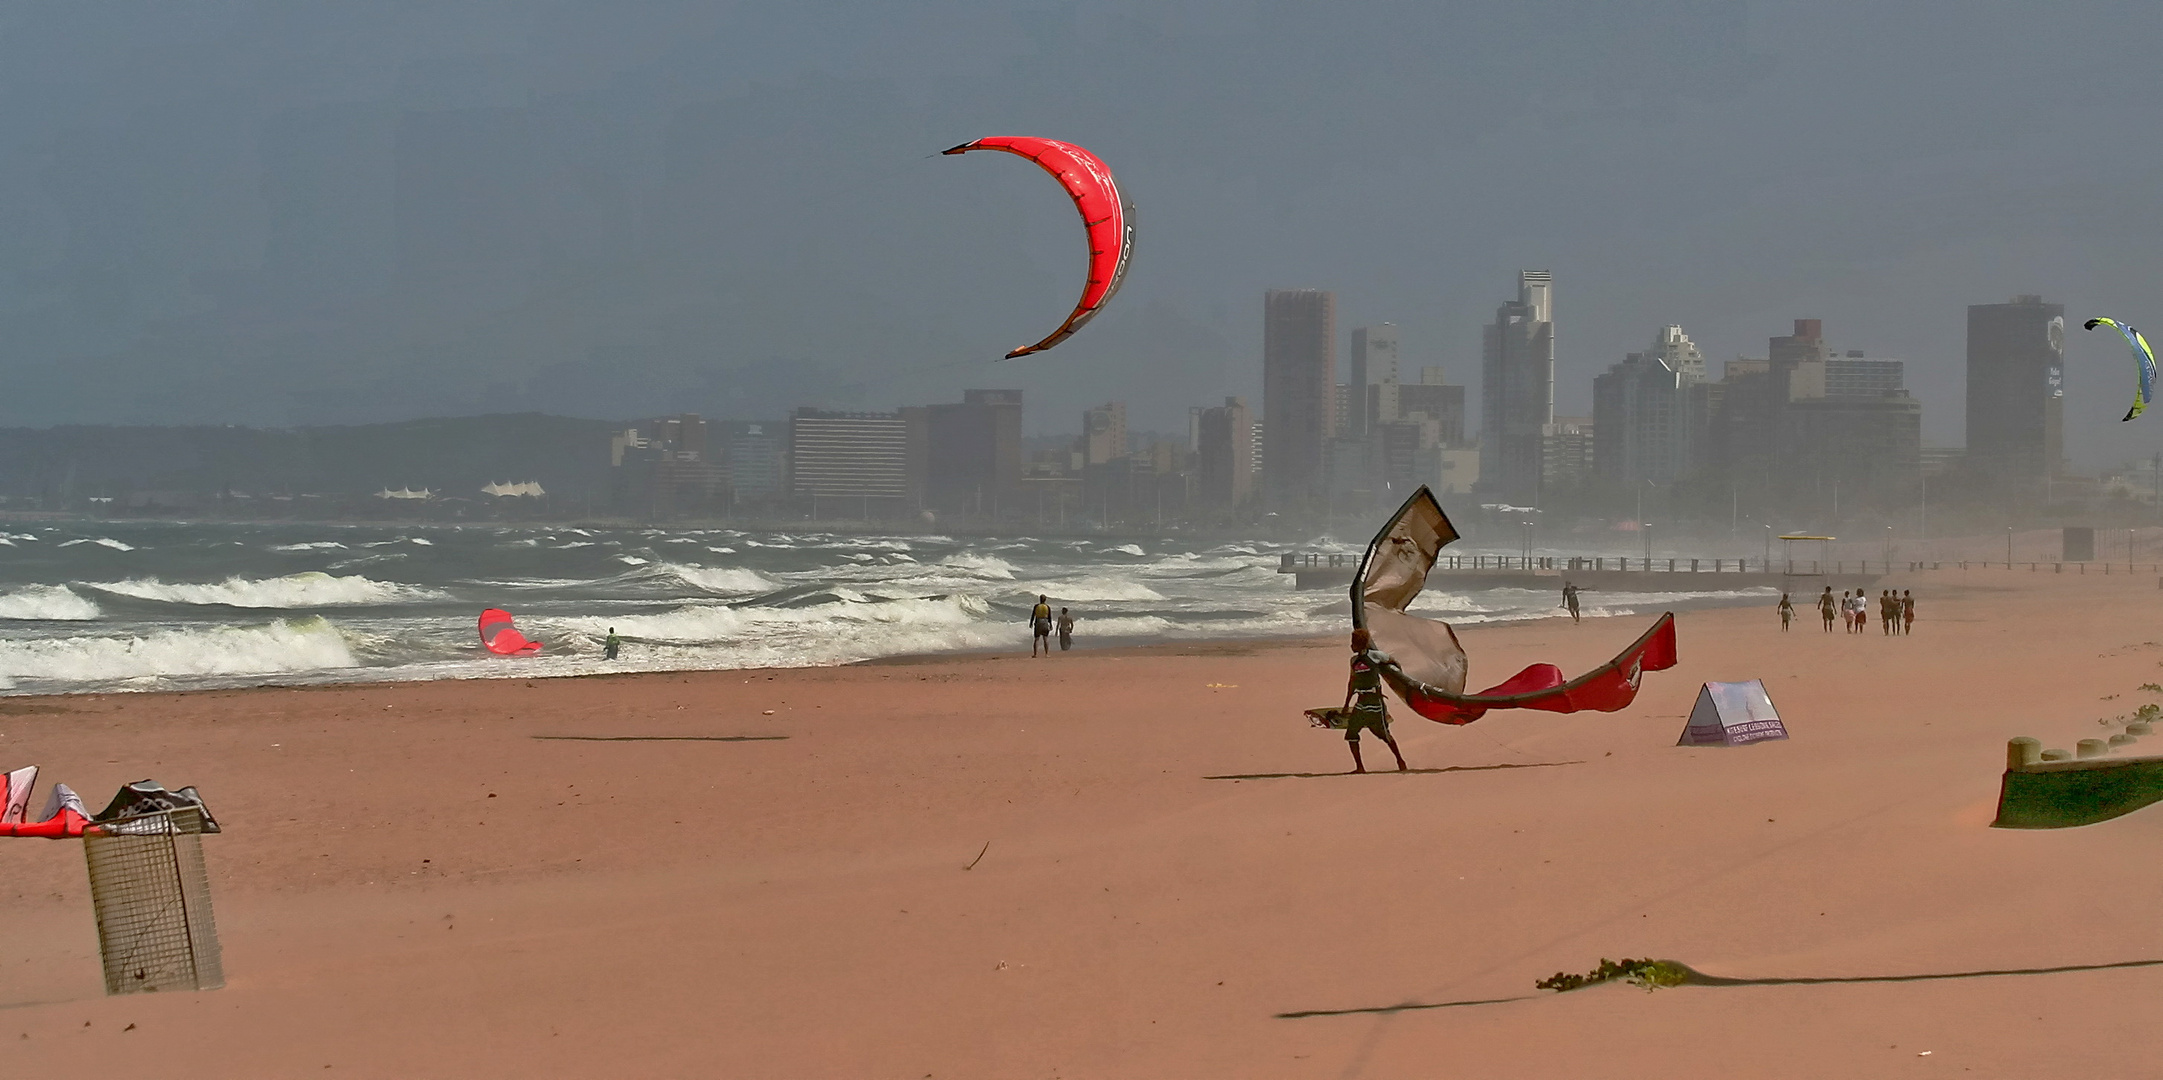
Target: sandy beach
{"x": 765, "y": 873}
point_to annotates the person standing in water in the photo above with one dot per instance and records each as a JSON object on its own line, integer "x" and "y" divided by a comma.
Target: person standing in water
{"x": 1569, "y": 600}
{"x": 612, "y": 646}
{"x": 1066, "y": 630}
{"x": 1040, "y": 626}
{"x": 1364, "y": 706}
{"x": 1825, "y": 607}
{"x": 1787, "y": 612}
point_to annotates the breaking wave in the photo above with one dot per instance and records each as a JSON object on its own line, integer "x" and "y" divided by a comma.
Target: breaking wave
{"x": 55, "y": 602}
{"x": 102, "y": 541}
{"x": 989, "y": 566}
{"x": 291, "y": 591}
{"x": 1094, "y": 589}
{"x": 282, "y": 646}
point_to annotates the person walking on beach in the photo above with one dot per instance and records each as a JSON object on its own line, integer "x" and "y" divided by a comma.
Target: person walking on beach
{"x": 612, "y": 646}
{"x": 1040, "y": 626}
{"x": 1787, "y": 612}
{"x": 1364, "y": 707}
{"x": 1887, "y": 617}
{"x": 1907, "y": 611}
{"x": 1569, "y": 600}
{"x": 1847, "y": 609}
{"x": 1066, "y": 630}
{"x": 1859, "y": 607}
{"x": 1825, "y": 607}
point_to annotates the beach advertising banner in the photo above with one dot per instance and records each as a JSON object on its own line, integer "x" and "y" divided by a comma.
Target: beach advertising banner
{"x": 1732, "y": 714}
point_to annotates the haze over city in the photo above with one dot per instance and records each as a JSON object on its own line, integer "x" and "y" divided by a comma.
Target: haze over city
{"x": 275, "y": 215}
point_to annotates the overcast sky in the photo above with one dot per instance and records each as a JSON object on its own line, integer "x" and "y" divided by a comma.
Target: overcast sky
{"x": 223, "y": 212}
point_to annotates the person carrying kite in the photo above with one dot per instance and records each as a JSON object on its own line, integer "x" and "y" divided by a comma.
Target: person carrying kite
{"x": 1364, "y": 704}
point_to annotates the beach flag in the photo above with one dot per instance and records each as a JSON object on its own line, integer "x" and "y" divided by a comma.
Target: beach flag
{"x": 1732, "y": 714}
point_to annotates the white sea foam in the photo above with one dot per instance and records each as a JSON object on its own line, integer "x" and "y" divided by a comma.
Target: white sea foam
{"x": 47, "y": 602}
{"x": 422, "y": 541}
{"x": 313, "y": 545}
{"x": 632, "y": 560}
{"x": 989, "y": 566}
{"x": 291, "y": 591}
{"x": 282, "y": 646}
{"x": 102, "y": 541}
{"x": 727, "y": 579}
{"x": 722, "y": 550}
{"x": 574, "y": 544}
{"x": 1094, "y": 589}
{"x": 1126, "y": 549}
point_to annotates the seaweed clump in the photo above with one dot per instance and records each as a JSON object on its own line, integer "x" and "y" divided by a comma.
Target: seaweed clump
{"x": 1648, "y": 973}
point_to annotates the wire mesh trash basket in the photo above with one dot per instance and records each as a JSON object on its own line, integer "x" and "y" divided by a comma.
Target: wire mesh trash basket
{"x": 151, "y": 893}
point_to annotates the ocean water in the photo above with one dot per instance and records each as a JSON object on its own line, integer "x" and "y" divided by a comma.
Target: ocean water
{"x": 143, "y": 606}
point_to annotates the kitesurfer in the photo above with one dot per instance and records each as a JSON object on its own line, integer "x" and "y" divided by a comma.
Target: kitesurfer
{"x": 1787, "y": 612}
{"x": 1040, "y": 626}
{"x": 1825, "y": 608}
{"x": 612, "y": 646}
{"x": 1364, "y": 706}
{"x": 1569, "y": 600}
{"x": 1066, "y": 630}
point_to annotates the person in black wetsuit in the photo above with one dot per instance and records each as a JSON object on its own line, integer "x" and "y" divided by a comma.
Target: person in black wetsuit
{"x": 1363, "y": 699}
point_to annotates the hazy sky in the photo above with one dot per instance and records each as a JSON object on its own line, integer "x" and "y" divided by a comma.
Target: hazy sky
{"x": 302, "y": 213}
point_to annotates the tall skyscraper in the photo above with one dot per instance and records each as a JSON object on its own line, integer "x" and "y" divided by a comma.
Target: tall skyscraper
{"x": 1225, "y": 456}
{"x": 1638, "y": 409}
{"x": 1299, "y": 388}
{"x": 1517, "y": 391}
{"x": 973, "y": 451}
{"x": 2016, "y": 390}
{"x": 1374, "y": 379}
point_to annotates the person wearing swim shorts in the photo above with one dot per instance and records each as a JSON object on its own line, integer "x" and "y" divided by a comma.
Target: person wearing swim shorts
{"x": 1365, "y": 708}
{"x": 1040, "y": 626}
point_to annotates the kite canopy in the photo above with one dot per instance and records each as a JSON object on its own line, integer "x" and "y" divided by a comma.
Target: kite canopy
{"x": 500, "y": 636}
{"x": 2143, "y": 362}
{"x": 1109, "y": 220}
{"x": 1430, "y": 666}
{"x": 62, "y": 819}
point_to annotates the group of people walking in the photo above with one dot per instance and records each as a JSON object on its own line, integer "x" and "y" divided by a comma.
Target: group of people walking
{"x": 1896, "y": 610}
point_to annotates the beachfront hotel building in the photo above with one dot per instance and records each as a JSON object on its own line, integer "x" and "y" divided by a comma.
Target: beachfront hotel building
{"x": 851, "y": 455}
{"x": 1640, "y": 407}
{"x": 2016, "y": 391}
{"x": 1299, "y": 393}
{"x": 1517, "y": 391}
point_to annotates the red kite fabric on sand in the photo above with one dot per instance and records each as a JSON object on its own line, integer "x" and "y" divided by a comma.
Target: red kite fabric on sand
{"x": 1108, "y": 218}
{"x": 499, "y": 636}
{"x": 1430, "y": 666}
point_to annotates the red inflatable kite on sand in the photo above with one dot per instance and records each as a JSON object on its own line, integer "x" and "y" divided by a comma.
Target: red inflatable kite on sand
{"x": 499, "y": 636}
{"x": 1108, "y": 218}
{"x": 1430, "y": 668}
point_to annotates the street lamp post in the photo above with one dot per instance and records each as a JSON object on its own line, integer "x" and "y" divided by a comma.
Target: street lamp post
{"x": 2008, "y": 547}
{"x": 1768, "y": 549}
{"x": 1646, "y": 528}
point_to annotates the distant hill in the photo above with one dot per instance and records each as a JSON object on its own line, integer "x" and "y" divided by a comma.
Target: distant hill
{"x": 453, "y": 455}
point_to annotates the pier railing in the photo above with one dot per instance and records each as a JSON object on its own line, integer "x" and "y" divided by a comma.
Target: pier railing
{"x": 1311, "y": 561}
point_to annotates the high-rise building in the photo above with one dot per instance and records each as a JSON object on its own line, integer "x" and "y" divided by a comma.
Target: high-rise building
{"x": 973, "y": 452}
{"x": 1435, "y": 404}
{"x": 1104, "y": 433}
{"x": 1640, "y": 409}
{"x": 669, "y": 473}
{"x": 849, "y": 454}
{"x": 2016, "y": 391}
{"x": 1517, "y": 391}
{"x": 1373, "y": 381}
{"x": 1567, "y": 452}
{"x": 1225, "y": 456}
{"x": 1299, "y": 382}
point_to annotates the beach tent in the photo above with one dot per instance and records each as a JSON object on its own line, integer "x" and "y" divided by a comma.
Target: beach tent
{"x": 1429, "y": 666}
{"x": 1732, "y": 714}
{"x": 499, "y": 636}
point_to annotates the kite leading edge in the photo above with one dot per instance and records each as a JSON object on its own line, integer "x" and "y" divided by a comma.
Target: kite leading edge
{"x": 1106, "y": 216}
{"x": 1430, "y": 666}
{"x": 2143, "y": 360}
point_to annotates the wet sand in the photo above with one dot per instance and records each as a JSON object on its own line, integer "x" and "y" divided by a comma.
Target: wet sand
{"x": 654, "y": 876}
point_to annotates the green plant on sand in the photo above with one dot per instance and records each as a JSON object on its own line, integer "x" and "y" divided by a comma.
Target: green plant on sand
{"x": 1648, "y": 973}
{"x": 2149, "y": 713}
